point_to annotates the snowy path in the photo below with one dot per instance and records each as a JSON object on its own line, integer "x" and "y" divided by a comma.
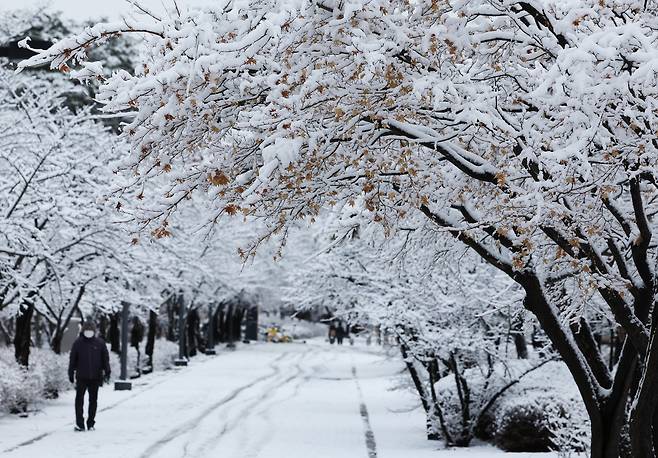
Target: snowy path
{"x": 262, "y": 401}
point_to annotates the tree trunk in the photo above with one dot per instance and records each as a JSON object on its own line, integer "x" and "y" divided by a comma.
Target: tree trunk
{"x": 251, "y": 328}
{"x": 114, "y": 335}
{"x": 420, "y": 389}
{"x": 435, "y": 409}
{"x": 221, "y": 325}
{"x": 228, "y": 324}
{"x": 519, "y": 338}
{"x": 23, "y": 333}
{"x": 564, "y": 342}
{"x": 171, "y": 319}
{"x": 102, "y": 326}
{"x": 56, "y": 341}
{"x": 645, "y": 403}
{"x": 192, "y": 331}
{"x": 237, "y": 324}
{"x": 38, "y": 331}
{"x": 150, "y": 339}
{"x": 464, "y": 394}
{"x": 5, "y": 334}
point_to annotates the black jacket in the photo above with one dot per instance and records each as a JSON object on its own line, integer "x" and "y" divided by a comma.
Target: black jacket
{"x": 89, "y": 358}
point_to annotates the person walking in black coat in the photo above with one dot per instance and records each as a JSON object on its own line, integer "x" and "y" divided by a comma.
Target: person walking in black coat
{"x": 89, "y": 361}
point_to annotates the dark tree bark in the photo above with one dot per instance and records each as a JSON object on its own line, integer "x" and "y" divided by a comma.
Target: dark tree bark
{"x": 193, "y": 331}
{"x": 464, "y": 395}
{"x": 171, "y": 308}
{"x": 237, "y": 323}
{"x": 5, "y": 334}
{"x": 114, "y": 334}
{"x": 221, "y": 324}
{"x": 56, "y": 342}
{"x": 102, "y": 326}
{"x": 38, "y": 331}
{"x": 420, "y": 389}
{"x": 214, "y": 325}
{"x": 63, "y": 323}
{"x": 519, "y": 338}
{"x": 136, "y": 337}
{"x": 150, "y": 339}
{"x": 23, "y": 333}
{"x": 251, "y": 328}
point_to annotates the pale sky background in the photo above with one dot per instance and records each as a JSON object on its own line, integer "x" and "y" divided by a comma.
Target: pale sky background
{"x": 84, "y": 9}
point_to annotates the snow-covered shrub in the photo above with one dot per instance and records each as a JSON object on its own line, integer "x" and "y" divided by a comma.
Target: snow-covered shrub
{"x": 52, "y": 369}
{"x": 541, "y": 423}
{"x": 522, "y": 425}
{"x": 115, "y": 363}
{"x": 20, "y": 388}
{"x": 543, "y": 412}
{"x": 164, "y": 354}
{"x": 569, "y": 426}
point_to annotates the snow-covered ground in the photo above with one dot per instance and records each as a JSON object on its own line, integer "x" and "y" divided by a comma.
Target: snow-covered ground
{"x": 263, "y": 400}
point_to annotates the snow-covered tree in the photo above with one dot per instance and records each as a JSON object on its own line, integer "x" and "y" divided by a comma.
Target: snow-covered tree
{"x": 51, "y": 226}
{"x": 447, "y": 310}
{"x": 524, "y": 129}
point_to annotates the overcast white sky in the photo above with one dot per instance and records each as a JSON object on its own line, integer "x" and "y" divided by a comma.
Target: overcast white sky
{"x": 83, "y": 9}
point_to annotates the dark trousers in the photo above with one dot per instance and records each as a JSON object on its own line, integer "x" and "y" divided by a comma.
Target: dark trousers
{"x": 91, "y": 386}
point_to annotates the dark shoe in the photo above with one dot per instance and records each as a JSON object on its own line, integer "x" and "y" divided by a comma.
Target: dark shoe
{"x": 78, "y": 428}
{"x": 91, "y": 428}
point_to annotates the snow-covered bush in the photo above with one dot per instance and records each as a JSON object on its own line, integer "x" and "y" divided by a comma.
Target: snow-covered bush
{"x": 115, "y": 363}
{"x": 543, "y": 412}
{"x": 20, "y": 388}
{"x": 164, "y": 354}
{"x": 52, "y": 369}
{"x": 522, "y": 424}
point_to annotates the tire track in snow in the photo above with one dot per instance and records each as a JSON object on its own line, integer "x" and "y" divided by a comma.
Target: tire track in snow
{"x": 255, "y": 439}
{"x": 254, "y": 447}
{"x": 371, "y": 445}
{"x": 189, "y": 425}
{"x": 256, "y": 405}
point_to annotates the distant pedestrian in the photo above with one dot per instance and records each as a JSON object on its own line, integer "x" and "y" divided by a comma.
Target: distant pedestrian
{"x": 90, "y": 362}
{"x": 332, "y": 332}
{"x": 340, "y": 333}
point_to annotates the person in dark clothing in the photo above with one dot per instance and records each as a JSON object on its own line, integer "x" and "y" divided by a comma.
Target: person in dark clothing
{"x": 332, "y": 333}
{"x": 340, "y": 333}
{"x": 89, "y": 362}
